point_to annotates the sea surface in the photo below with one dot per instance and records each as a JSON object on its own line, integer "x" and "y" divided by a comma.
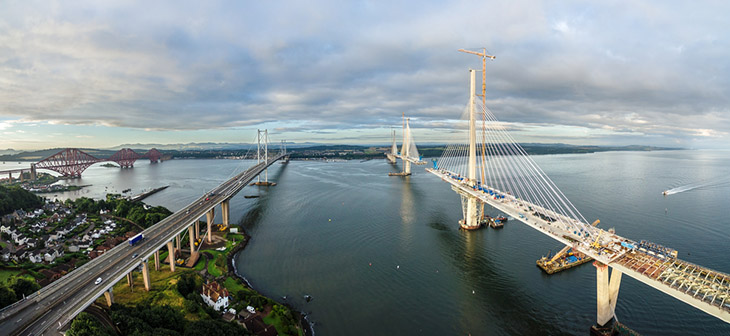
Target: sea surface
{"x": 383, "y": 255}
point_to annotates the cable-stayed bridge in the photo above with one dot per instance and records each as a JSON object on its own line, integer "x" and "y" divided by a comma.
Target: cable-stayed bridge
{"x": 408, "y": 153}
{"x": 490, "y": 168}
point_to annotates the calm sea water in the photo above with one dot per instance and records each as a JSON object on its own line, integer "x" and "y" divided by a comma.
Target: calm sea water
{"x": 383, "y": 255}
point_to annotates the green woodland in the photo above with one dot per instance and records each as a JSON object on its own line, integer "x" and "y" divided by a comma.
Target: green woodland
{"x": 14, "y": 197}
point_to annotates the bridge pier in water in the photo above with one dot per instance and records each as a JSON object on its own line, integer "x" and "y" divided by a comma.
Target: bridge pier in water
{"x": 606, "y": 293}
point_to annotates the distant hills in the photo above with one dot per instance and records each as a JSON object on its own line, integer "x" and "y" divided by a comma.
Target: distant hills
{"x": 212, "y": 150}
{"x": 208, "y": 146}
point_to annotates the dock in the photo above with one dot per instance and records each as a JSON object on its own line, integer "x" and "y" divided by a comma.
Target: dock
{"x": 146, "y": 194}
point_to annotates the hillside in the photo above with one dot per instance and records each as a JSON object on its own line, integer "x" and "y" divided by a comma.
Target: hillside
{"x": 14, "y": 197}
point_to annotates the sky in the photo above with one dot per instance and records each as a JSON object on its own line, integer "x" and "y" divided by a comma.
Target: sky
{"x": 105, "y": 73}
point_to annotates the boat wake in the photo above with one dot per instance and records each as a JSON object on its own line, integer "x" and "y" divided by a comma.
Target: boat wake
{"x": 698, "y": 185}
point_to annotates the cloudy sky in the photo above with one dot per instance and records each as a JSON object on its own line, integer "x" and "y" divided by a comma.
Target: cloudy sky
{"x": 101, "y": 73}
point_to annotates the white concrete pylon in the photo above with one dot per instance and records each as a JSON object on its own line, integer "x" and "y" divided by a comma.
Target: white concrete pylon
{"x": 606, "y": 293}
{"x": 471, "y": 220}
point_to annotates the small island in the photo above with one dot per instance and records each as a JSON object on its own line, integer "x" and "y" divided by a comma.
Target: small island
{"x": 109, "y": 165}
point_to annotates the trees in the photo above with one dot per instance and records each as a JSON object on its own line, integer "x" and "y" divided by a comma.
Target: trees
{"x": 23, "y": 286}
{"x": 186, "y": 284}
{"x": 14, "y": 197}
{"x": 213, "y": 327}
{"x": 86, "y": 325}
{"x": 7, "y": 296}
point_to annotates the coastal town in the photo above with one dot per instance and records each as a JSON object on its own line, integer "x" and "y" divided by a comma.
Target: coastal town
{"x": 43, "y": 243}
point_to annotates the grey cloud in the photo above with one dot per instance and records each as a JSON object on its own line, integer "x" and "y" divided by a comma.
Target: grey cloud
{"x": 332, "y": 66}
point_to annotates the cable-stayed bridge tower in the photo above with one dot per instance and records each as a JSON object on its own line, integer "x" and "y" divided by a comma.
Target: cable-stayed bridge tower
{"x": 408, "y": 153}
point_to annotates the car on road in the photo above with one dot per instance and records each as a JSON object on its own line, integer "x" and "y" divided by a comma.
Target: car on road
{"x": 135, "y": 255}
{"x": 98, "y": 281}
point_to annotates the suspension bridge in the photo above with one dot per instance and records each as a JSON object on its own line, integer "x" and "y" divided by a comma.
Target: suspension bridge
{"x": 490, "y": 168}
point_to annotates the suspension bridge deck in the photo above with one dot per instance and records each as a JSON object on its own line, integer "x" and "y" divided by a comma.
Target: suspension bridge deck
{"x": 700, "y": 287}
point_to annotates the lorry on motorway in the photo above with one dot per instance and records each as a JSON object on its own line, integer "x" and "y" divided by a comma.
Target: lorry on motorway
{"x": 135, "y": 239}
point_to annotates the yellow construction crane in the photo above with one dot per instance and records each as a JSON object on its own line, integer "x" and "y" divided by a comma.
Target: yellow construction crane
{"x": 484, "y": 57}
{"x": 567, "y": 247}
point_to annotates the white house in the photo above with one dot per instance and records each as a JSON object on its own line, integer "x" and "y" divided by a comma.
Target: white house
{"x": 215, "y": 295}
{"x": 5, "y": 228}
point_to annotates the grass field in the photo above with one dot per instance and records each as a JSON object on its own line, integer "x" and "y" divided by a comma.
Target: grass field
{"x": 163, "y": 291}
{"x": 6, "y": 274}
{"x": 218, "y": 258}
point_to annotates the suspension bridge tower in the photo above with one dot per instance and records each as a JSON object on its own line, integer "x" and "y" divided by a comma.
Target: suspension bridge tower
{"x": 262, "y": 155}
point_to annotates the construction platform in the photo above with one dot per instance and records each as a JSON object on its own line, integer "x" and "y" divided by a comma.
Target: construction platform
{"x": 264, "y": 184}
{"x": 399, "y": 174}
{"x": 563, "y": 263}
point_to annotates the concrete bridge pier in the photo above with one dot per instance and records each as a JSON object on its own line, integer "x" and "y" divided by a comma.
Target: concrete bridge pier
{"x": 171, "y": 256}
{"x": 470, "y": 208}
{"x": 157, "y": 260}
{"x": 192, "y": 241}
{"x": 225, "y": 212}
{"x": 197, "y": 229}
{"x": 606, "y": 292}
{"x": 130, "y": 280}
{"x": 178, "y": 246}
{"x": 146, "y": 276}
{"x": 33, "y": 174}
{"x": 109, "y": 296}
{"x": 210, "y": 216}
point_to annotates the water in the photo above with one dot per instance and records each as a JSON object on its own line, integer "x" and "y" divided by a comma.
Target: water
{"x": 383, "y": 255}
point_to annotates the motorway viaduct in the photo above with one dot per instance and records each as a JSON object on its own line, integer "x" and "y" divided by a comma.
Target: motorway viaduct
{"x": 50, "y": 309}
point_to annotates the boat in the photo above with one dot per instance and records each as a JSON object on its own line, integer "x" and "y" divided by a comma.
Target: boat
{"x": 501, "y": 219}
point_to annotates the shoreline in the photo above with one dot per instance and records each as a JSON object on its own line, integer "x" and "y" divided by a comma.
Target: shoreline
{"x": 233, "y": 271}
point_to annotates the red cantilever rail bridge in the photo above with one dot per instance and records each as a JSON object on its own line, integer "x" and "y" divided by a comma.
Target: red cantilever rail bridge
{"x": 71, "y": 162}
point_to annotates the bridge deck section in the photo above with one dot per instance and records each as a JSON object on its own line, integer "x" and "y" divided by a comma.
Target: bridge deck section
{"x": 700, "y": 287}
